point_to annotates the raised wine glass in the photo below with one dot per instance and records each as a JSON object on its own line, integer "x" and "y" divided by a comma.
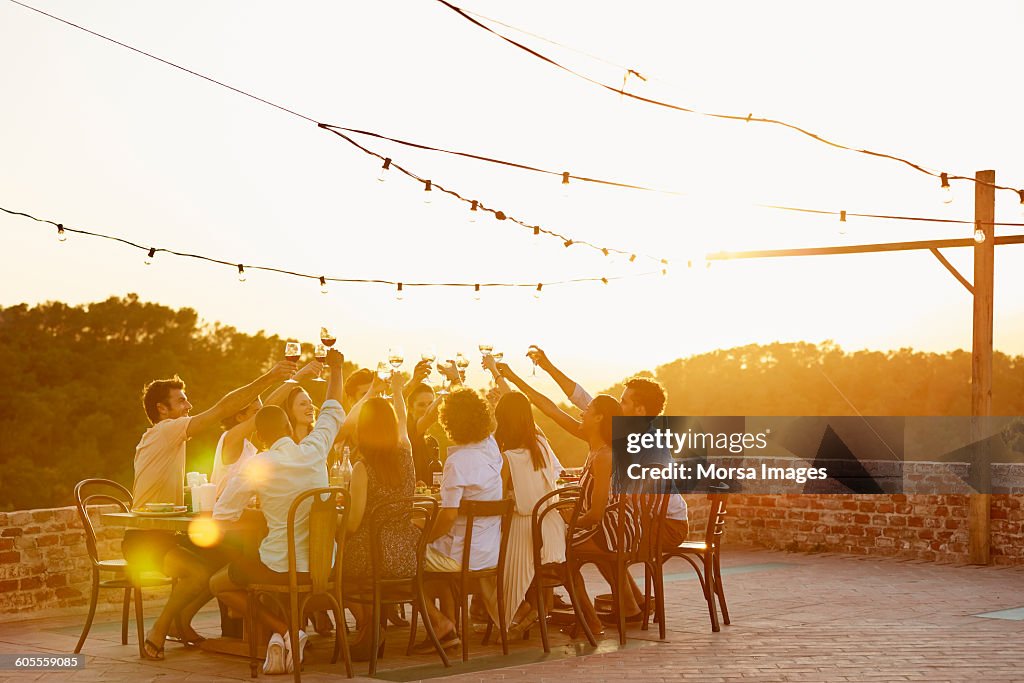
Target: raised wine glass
{"x": 430, "y": 356}
{"x": 442, "y": 387}
{"x": 486, "y": 349}
{"x": 327, "y": 338}
{"x": 461, "y": 362}
{"x": 292, "y": 351}
{"x": 384, "y": 374}
{"x": 396, "y": 357}
{"x": 498, "y": 356}
{"x": 320, "y": 353}
{"x": 533, "y": 353}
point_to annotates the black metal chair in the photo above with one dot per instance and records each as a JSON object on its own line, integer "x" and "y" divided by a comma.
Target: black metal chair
{"x": 122, "y": 577}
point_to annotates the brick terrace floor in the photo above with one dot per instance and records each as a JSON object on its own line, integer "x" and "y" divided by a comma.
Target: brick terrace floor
{"x": 795, "y": 618}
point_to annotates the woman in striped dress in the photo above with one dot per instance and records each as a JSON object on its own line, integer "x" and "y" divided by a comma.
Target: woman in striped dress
{"x": 598, "y": 519}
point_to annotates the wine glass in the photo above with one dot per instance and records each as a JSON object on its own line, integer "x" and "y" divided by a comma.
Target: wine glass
{"x": 384, "y": 374}
{"x": 498, "y": 356}
{"x": 532, "y": 353}
{"x": 486, "y": 349}
{"x": 430, "y": 356}
{"x": 396, "y": 357}
{"x": 442, "y": 388}
{"x": 320, "y": 353}
{"x": 327, "y": 337}
{"x": 292, "y": 351}
{"x": 461, "y": 362}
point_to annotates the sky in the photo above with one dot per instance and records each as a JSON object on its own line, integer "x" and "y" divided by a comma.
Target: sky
{"x": 100, "y": 138}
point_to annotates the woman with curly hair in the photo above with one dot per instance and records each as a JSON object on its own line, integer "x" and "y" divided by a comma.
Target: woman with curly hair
{"x": 472, "y": 471}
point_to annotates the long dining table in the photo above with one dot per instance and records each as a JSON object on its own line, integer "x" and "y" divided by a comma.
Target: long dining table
{"x": 250, "y": 528}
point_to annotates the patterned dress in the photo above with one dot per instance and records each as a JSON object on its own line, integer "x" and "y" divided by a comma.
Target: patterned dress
{"x": 397, "y": 541}
{"x": 604, "y": 534}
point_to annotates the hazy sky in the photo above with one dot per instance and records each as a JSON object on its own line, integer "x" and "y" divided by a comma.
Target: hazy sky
{"x": 101, "y": 138}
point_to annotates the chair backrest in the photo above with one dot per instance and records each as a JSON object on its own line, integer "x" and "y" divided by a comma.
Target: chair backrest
{"x": 328, "y": 515}
{"x": 398, "y": 511}
{"x": 566, "y": 498}
{"x": 638, "y": 524}
{"x": 716, "y": 520}
{"x": 98, "y": 492}
{"x": 486, "y": 508}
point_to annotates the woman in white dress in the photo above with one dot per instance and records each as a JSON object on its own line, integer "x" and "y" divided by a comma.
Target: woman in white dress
{"x": 530, "y": 471}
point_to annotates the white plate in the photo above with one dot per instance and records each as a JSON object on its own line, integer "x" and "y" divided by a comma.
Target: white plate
{"x": 166, "y": 513}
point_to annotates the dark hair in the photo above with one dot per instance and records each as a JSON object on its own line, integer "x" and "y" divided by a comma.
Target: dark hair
{"x": 650, "y": 394}
{"x": 361, "y": 376}
{"x": 466, "y": 417}
{"x": 289, "y": 404}
{"x": 232, "y": 419}
{"x": 378, "y": 441}
{"x": 419, "y": 388}
{"x": 158, "y": 391}
{"x": 515, "y": 427}
{"x": 606, "y": 408}
{"x": 272, "y": 424}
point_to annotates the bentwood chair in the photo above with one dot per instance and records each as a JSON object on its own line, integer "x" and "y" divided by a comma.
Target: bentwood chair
{"x": 379, "y": 590}
{"x": 464, "y": 580}
{"x": 705, "y": 558}
{"x": 639, "y": 518}
{"x": 106, "y": 492}
{"x": 558, "y": 502}
{"x": 328, "y": 514}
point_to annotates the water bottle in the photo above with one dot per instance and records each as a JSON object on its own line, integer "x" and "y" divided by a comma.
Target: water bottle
{"x": 345, "y": 468}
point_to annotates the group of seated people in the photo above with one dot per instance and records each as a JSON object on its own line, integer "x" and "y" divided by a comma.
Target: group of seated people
{"x": 277, "y": 450}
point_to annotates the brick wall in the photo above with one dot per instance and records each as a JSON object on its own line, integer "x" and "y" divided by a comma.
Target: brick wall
{"x": 925, "y": 527}
{"x": 44, "y": 563}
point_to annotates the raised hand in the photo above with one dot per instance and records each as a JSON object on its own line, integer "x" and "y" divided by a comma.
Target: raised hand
{"x": 282, "y": 370}
{"x": 310, "y": 369}
{"x": 420, "y": 372}
{"x": 335, "y": 359}
{"x": 449, "y": 370}
{"x": 489, "y": 362}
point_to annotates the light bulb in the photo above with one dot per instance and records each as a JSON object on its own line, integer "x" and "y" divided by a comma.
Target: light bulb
{"x": 473, "y": 210}
{"x": 945, "y": 191}
{"x": 979, "y": 236}
{"x": 1021, "y": 193}
{"x": 536, "y": 293}
{"x": 323, "y": 285}
{"x": 61, "y": 235}
{"x": 399, "y": 294}
{"x": 842, "y": 219}
{"x": 476, "y": 292}
{"x": 149, "y": 257}
{"x": 383, "y": 175}
{"x": 428, "y": 189}
{"x": 565, "y": 184}
{"x": 241, "y": 273}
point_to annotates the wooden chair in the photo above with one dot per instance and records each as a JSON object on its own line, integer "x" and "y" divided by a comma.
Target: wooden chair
{"x": 379, "y": 591}
{"x": 122, "y": 577}
{"x": 705, "y": 558}
{"x": 551, "y": 575}
{"x": 644, "y": 513}
{"x": 327, "y": 518}
{"x": 464, "y": 579}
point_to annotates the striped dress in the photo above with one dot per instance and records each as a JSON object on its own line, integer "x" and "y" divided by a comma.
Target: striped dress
{"x": 606, "y": 533}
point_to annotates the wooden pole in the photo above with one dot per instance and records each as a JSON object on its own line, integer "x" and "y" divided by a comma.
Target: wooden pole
{"x": 980, "y": 504}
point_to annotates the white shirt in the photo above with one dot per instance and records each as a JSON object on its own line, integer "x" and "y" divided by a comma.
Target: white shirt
{"x": 278, "y": 475}
{"x": 160, "y": 463}
{"x": 676, "y": 505}
{"x": 222, "y": 473}
{"x": 472, "y": 472}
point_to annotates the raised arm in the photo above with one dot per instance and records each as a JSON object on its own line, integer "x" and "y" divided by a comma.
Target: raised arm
{"x": 568, "y": 386}
{"x": 491, "y": 365}
{"x": 352, "y": 419}
{"x": 240, "y": 398}
{"x": 400, "y": 414}
{"x": 545, "y": 404}
{"x": 429, "y": 417}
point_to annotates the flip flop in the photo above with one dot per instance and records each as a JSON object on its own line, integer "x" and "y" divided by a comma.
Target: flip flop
{"x": 146, "y": 646}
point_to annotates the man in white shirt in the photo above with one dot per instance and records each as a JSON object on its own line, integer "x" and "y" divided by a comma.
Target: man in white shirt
{"x": 472, "y": 471}
{"x": 278, "y": 475}
{"x": 160, "y": 478}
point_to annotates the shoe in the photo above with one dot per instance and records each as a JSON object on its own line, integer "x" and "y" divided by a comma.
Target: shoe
{"x": 426, "y": 646}
{"x": 519, "y": 628}
{"x": 395, "y": 617}
{"x": 276, "y": 651}
{"x": 158, "y": 652}
{"x": 289, "y": 657}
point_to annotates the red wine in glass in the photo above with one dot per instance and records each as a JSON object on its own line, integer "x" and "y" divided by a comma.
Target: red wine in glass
{"x": 327, "y": 337}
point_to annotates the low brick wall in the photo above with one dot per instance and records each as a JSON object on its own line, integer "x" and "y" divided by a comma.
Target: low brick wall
{"x": 924, "y": 527}
{"x": 44, "y": 562}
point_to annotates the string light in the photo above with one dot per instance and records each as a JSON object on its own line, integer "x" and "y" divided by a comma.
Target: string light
{"x": 323, "y": 285}
{"x": 604, "y": 280}
{"x": 946, "y": 192}
{"x": 565, "y": 183}
{"x": 568, "y": 243}
{"x": 149, "y": 256}
{"x": 241, "y": 273}
{"x": 632, "y": 258}
{"x": 399, "y": 295}
{"x": 61, "y": 236}
{"x": 428, "y": 188}
{"x": 536, "y": 293}
{"x": 382, "y": 176}
{"x": 473, "y": 211}
{"x": 842, "y": 219}
{"x": 1021, "y": 193}
{"x": 476, "y": 292}
{"x": 979, "y": 234}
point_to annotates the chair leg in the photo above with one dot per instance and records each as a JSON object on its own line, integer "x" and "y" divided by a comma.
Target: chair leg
{"x": 620, "y": 591}
{"x": 140, "y": 622}
{"x": 502, "y": 626}
{"x": 125, "y": 615}
{"x": 570, "y": 586}
{"x": 414, "y": 614}
{"x": 294, "y": 619}
{"x": 542, "y": 611}
{"x": 341, "y": 633}
{"x": 375, "y": 633}
{"x": 720, "y": 590}
{"x": 93, "y": 598}
{"x": 647, "y": 597}
{"x": 659, "y": 597}
{"x": 253, "y": 628}
{"x": 487, "y": 633}
{"x": 429, "y": 627}
{"x": 709, "y": 592}
{"x": 467, "y": 627}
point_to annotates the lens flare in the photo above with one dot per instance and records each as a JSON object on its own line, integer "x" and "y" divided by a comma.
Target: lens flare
{"x": 205, "y": 532}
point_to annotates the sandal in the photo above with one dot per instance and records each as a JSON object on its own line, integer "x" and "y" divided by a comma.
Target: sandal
{"x": 520, "y": 627}
{"x": 158, "y": 655}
